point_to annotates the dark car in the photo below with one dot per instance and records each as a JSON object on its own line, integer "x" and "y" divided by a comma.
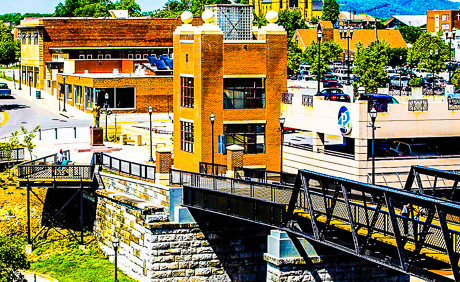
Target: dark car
{"x": 379, "y": 101}
{"x": 332, "y": 84}
{"x": 329, "y": 77}
{"x": 334, "y": 94}
{"x": 412, "y": 149}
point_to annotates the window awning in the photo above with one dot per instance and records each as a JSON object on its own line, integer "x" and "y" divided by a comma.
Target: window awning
{"x": 35, "y": 35}
{"x": 27, "y": 35}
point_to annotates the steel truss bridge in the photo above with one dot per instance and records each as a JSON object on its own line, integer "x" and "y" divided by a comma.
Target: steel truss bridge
{"x": 357, "y": 218}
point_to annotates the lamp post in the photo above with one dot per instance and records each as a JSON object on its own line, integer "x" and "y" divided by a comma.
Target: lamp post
{"x": 347, "y": 33}
{"x": 320, "y": 36}
{"x": 30, "y": 84}
{"x": 115, "y": 244}
{"x": 433, "y": 57}
{"x": 281, "y": 120}
{"x": 14, "y": 80}
{"x": 410, "y": 58}
{"x": 450, "y": 36}
{"x": 65, "y": 93}
{"x": 400, "y": 74}
{"x": 20, "y": 74}
{"x": 212, "y": 118}
{"x": 373, "y": 116}
{"x": 106, "y": 106}
{"x": 150, "y": 115}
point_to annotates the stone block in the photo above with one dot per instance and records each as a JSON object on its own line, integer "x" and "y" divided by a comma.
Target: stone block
{"x": 203, "y": 271}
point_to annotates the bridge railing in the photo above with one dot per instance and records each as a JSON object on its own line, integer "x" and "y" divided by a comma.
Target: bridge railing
{"x": 142, "y": 171}
{"x": 16, "y": 155}
{"x": 242, "y": 187}
{"x": 39, "y": 167}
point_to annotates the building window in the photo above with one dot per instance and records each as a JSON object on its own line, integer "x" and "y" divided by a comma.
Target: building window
{"x": 130, "y": 56}
{"x": 445, "y": 17}
{"x": 445, "y": 27}
{"x": 81, "y": 56}
{"x": 250, "y": 136}
{"x": 89, "y": 98}
{"x": 244, "y": 93}
{"x": 35, "y": 37}
{"x": 145, "y": 56}
{"x": 297, "y": 40}
{"x": 187, "y": 136}
{"x": 29, "y": 35}
{"x": 119, "y": 97}
{"x": 186, "y": 58}
{"x": 61, "y": 91}
{"x": 138, "y": 56}
{"x": 89, "y": 56}
{"x": 108, "y": 56}
{"x": 186, "y": 92}
{"x": 68, "y": 89}
{"x": 100, "y": 56}
{"x": 77, "y": 94}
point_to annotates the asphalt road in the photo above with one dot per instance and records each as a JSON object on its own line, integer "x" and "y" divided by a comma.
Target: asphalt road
{"x": 20, "y": 112}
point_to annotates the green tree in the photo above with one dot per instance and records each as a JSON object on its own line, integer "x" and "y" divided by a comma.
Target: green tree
{"x": 133, "y": 8}
{"x": 295, "y": 56}
{"x": 421, "y": 53}
{"x": 291, "y": 20}
{"x": 8, "y": 46}
{"x": 397, "y": 56}
{"x": 12, "y": 257}
{"x": 370, "y": 64}
{"x": 410, "y": 33}
{"x": 331, "y": 11}
{"x": 28, "y": 139}
{"x": 95, "y": 8}
{"x": 329, "y": 51}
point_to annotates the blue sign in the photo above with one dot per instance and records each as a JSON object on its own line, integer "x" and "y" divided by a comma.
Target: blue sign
{"x": 344, "y": 121}
{"x": 221, "y": 140}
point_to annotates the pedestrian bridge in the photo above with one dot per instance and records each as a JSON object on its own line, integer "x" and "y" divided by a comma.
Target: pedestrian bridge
{"x": 357, "y": 218}
{"x": 360, "y": 219}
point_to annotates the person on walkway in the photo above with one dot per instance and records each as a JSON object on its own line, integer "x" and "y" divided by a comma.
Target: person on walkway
{"x": 60, "y": 158}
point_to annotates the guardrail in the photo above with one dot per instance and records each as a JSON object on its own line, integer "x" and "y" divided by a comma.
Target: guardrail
{"x": 287, "y": 98}
{"x": 142, "y": 171}
{"x": 35, "y": 166}
{"x": 417, "y": 105}
{"x": 453, "y": 104}
{"x": 307, "y": 100}
{"x": 16, "y": 155}
{"x": 209, "y": 168}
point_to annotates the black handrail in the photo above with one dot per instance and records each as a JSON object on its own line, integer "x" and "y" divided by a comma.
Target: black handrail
{"x": 142, "y": 171}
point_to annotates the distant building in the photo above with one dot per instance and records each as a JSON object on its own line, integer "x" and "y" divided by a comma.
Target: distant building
{"x": 240, "y": 82}
{"x": 443, "y": 20}
{"x": 308, "y": 8}
{"x": 357, "y": 21}
{"x": 104, "y": 55}
{"x": 397, "y": 21}
{"x": 304, "y": 37}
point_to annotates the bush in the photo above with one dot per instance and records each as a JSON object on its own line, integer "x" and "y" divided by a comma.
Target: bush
{"x": 415, "y": 82}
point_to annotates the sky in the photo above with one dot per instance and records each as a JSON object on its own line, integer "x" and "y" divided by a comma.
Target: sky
{"x": 47, "y": 6}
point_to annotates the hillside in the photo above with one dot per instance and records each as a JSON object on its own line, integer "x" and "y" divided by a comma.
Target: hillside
{"x": 396, "y": 7}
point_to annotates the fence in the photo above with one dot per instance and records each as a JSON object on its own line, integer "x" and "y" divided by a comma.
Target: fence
{"x": 207, "y": 168}
{"x": 453, "y": 104}
{"x": 287, "y": 98}
{"x": 417, "y": 105}
{"x": 130, "y": 168}
{"x": 16, "y": 155}
{"x": 307, "y": 100}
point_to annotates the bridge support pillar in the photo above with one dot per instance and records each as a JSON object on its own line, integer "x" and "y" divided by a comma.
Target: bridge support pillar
{"x": 163, "y": 163}
{"x": 318, "y": 142}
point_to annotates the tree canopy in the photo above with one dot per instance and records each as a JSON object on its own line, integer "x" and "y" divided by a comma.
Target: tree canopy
{"x": 174, "y": 8}
{"x": 95, "y": 8}
{"x": 329, "y": 51}
{"x": 410, "y": 33}
{"x": 370, "y": 65}
{"x": 421, "y": 53}
{"x": 12, "y": 257}
{"x": 331, "y": 11}
{"x": 9, "y": 48}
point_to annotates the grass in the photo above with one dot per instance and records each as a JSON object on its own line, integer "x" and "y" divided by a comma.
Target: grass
{"x": 54, "y": 254}
{"x": 62, "y": 259}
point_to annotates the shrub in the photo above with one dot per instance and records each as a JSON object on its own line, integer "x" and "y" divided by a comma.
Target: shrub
{"x": 415, "y": 82}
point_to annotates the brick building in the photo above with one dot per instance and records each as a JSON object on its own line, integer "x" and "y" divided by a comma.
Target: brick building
{"x": 240, "y": 82}
{"x": 443, "y": 20}
{"x": 114, "y": 48}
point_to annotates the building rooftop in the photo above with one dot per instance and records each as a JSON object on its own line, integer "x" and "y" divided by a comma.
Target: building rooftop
{"x": 410, "y": 20}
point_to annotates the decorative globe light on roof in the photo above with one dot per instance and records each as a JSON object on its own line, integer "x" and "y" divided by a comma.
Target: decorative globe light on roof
{"x": 272, "y": 16}
{"x": 186, "y": 17}
{"x": 208, "y": 16}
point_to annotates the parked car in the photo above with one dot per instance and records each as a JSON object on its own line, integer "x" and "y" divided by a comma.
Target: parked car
{"x": 397, "y": 81}
{"x": 412, "y": 149}
{"x": 379, "y": 101}
{"x": 454, "y": 97}
{"x": 5, "y": 91}
{"x": 334, "y": 94}
{"x": 304, "y": 77}
{"x": 332, "y": 84}
{"x": 329, "y": 77}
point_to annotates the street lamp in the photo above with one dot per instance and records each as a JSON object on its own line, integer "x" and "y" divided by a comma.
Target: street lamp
{"x": 20, "y": 74}
{"x": 65, "y": 93}
{"x": 106, "y": 106}
{"x": 347, "y": 33}
{"x": 212, "y": 118}
{"x": 281, "y": 120}
{"x": 150, "y": 115}
{"x": 410, "y": 58}
{"x": 320, "y": 36}
{"x": 115, "y": 244}
{"x": 373, "y": 116}
{"x": 433, "y": 57}
{"x": 450, "y": 36}
{"x": 400, "y": 74}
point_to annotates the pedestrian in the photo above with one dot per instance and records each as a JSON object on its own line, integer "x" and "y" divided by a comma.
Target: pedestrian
{"x": 60, "y": 158}
{"x": 405, "y": 215}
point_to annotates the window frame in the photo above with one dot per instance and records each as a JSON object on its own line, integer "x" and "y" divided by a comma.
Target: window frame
{"x": 249, "y": 93}
{"x": 246, "y": 135}
{"x": 187, "y": 93}
{"x": 187, "y": 136}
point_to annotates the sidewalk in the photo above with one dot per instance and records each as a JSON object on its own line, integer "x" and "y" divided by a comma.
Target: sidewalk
{"x": 46, "y": 101}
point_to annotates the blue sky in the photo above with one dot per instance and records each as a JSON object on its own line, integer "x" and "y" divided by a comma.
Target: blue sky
{"x": 47, "y": 6}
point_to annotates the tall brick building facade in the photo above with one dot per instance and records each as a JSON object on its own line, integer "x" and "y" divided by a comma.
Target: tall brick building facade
{"x": 239, "y": 82}
{"x": 84, "y": 46}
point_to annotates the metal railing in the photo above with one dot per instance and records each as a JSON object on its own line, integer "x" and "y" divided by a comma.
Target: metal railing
{"x": 379, "y": 107}
{"x": 307, "y": 100}
{"x": 16, "y": 155}
{"x": 336, "y": 154}
{"x": 265, "y": 176}
{"x": 218, "y": 169}
{"x": 306, "y": 147}
{"x": 36, "y": 166}
{"x": 417, "y": 105}
{"x": 142, "y": 171}
{"x": 395, "y": 91}
{"x": 265, "y": 191}
{"x": 287, "y": 98}
{"x": 453, "y": 104}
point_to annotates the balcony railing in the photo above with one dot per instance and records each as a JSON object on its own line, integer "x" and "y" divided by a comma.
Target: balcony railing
{"x": 453, "y": 104}
{"x": 307, "y": 100}
{"x": 287, "y": 98}
{"x": 417, "y": 105}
